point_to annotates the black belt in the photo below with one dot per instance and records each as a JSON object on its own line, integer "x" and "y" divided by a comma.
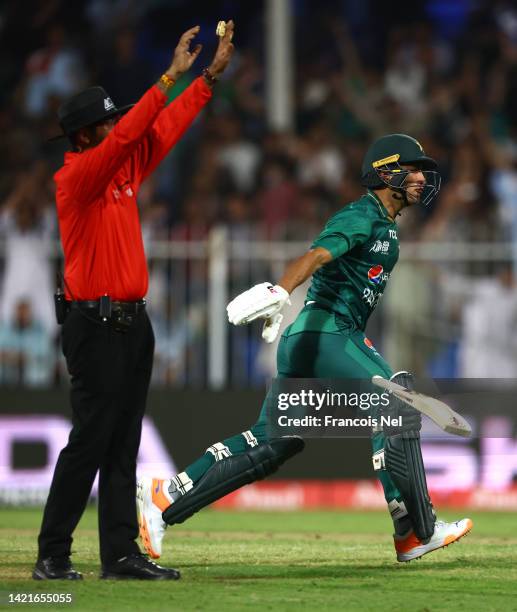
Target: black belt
{"x": 129, "y": 307}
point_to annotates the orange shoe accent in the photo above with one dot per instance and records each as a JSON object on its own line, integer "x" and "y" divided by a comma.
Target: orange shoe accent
{"x": 146, "y": 540}
{"x": 452, "y": 538}
{"x": 409, "y": 542}
{"x": 159, "y": 497}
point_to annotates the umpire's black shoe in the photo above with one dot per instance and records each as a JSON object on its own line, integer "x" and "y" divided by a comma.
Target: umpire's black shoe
{"x": 138, "y": 566}
{"x": 55, "y": 568}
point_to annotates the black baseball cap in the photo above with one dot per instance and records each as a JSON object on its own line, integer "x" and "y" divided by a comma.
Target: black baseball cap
{"x": 93, "y": 105}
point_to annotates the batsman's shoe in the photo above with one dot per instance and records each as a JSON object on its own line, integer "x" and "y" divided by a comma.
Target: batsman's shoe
{"x": 409, "y": 547}
{"x": 152, "y": 498}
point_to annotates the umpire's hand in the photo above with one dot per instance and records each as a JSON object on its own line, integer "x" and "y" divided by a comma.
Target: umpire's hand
{"x": 183, "y": 57}
{"x": 224, "y": 51}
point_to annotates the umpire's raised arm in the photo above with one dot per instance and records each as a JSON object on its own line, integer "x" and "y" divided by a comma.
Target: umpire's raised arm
{"x": 173, "y": 120}
{"x": 105, "y": 145}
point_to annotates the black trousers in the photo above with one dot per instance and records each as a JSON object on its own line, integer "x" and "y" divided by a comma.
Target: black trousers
{"x": 110, "y": 373}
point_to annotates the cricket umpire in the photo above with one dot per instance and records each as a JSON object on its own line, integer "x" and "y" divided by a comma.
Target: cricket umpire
{"x": 108, "y": 340}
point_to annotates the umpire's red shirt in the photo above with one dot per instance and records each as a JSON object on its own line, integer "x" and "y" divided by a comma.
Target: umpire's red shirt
{"x": 96, "y": 196}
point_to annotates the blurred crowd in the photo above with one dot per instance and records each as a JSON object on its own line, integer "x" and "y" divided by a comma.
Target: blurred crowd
{"x": 444, "y": 72}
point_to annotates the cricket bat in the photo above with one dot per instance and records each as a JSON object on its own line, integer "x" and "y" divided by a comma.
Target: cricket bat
{"x": 441, "y": 414}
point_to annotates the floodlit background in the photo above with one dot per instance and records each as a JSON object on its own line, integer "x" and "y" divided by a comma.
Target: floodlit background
{"x": 275, "y": 153}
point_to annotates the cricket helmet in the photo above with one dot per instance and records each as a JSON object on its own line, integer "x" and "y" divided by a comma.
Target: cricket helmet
{"x": 382, "y": 165}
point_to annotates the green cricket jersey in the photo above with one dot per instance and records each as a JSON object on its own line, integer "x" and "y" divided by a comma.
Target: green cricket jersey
{"x": 362, "y": 239}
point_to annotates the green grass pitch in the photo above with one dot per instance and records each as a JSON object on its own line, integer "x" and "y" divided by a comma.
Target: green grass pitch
{"x": 282, "y": 561}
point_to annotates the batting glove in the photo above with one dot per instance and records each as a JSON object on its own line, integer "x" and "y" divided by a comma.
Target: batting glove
{"x": 272, "y": 327}
{"x": 261, "y": 301}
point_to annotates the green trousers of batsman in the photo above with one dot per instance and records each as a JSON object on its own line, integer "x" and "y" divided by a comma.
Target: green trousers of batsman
{"x": 319, "y": 344}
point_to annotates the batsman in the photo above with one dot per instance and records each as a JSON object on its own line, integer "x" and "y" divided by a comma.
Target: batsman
{"x": 350, "y": 263}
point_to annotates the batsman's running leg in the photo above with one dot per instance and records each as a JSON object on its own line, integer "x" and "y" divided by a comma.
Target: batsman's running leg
{"x": 224, "y": 467}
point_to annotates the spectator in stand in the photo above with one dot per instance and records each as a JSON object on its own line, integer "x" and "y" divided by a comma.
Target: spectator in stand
{"x": 238, "y": 218}
{"x": 320, "y": 162}
{"x": 188, "y": 284}
{"x": 248, "y": 92}
{"x": 503, "y": 181}
{"x": 488, "y": 348}
{"x": 28, "y": 227}
{"x": 405, "y": 76}
{"x": 27, "y": 357}
{"x": 312, "y": 207}
{"x": 238, "y": 157}
{"x": 55, "y": 69}
{"x": 242, "y": 230}
{"x": 278, "y": 194}
{"x": 501, "y": 159}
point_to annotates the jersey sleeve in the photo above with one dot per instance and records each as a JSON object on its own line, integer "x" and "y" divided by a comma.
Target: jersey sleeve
{"x": 170, "y": 125}
{"x": 344, "y": 232}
